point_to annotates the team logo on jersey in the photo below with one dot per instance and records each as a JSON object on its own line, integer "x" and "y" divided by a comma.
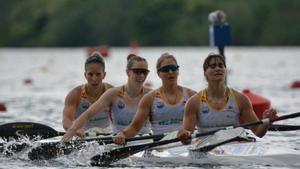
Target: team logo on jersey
{"x": 230, "y": 109}
{"x": 160, "y": 105}
{"x": 85, "y": 105}
{"x": 120, "y": 105}
{"x": 205, "y": 110}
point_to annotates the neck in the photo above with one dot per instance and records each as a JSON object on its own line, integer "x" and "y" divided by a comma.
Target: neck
{"x": 216, "y": 90}
{"x": 133, "y": 90}
{"x": 93, "y": 91}
{"x": 172, "y": 88}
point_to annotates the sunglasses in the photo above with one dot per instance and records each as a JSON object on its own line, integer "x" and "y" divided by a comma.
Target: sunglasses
{"x": 169, "y": 68}
{"x": 140, "y": 71}
{"x": 213, "y": 66}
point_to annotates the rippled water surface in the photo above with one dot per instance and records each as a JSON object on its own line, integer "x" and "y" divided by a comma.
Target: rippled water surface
{"x": 54, "y": 71}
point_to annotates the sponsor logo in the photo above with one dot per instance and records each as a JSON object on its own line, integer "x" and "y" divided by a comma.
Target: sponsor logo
{"x": 120, "y": 105}
{"x": 205, "y": 110}
{"x": 160, "y": 105}
{"x": 85, "y": 105}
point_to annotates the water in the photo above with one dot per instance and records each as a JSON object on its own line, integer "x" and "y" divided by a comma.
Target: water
{"x": 55, "y": 71}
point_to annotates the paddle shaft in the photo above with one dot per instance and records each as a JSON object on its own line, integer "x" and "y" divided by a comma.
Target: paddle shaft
{"x": 281, "y": 127}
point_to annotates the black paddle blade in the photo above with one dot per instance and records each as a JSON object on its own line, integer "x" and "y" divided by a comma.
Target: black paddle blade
{"x": 49, "y": 151}
{"x": 32, "y": 130}
{"x": 52, "y": 150}
{"x": 117, "y": 154}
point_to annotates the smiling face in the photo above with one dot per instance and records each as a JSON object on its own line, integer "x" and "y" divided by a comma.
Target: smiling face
{"x": 94, "y": 74}
{"x": 138, "y": 72}
{"x": 215, "y": 69}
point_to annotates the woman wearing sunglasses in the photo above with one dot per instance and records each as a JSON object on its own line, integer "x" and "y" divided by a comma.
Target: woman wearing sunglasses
{"x": 164, "y": 106}
{"x": 122, "y": 101}
{"x": 218, "y": 106}
{"x": 81, "y": 97}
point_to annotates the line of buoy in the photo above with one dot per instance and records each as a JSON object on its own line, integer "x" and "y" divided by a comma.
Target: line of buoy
{"x": 27, "y": 81}
{"x": 295, "y": 84}
{"x": 2, "y": 107}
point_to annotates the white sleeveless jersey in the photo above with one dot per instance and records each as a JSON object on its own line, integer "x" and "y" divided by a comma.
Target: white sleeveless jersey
{"x": 210, "y": 119}
{"x": 121, "y": 116}
{"x": 165, "y": 117}
{"x": 101, "y": 119}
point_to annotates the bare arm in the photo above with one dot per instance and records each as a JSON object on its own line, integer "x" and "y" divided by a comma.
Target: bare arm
{"x": 141, "y": 116}
{"x": 189, "y": 119}
{"x": 248, "y": 114}
{"x": 71, "y": 103}
{"x": 190, "y": 113}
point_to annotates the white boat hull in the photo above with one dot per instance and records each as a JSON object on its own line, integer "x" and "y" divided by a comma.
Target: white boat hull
{"x": 249, "y": 153}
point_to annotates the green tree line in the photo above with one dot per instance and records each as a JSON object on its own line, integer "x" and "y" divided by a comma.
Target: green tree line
{"x": 26, "y": 23}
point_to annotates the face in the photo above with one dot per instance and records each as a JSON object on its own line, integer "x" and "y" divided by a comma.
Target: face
{"x": 138, "y": 72}
{"x": 216, "y": 70}
{"x": 94, "y": 74}
{"x": 168, "y": 70}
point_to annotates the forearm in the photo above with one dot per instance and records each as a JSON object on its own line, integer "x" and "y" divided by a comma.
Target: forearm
{"x": 67, "y": 123}
{"x": 80, "y": 121}
{"x": 130, "y": 131}
{"x": 260, "y": 130}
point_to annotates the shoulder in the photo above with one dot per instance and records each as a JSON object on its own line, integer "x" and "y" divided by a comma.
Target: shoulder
{"x": 107, "y": 86}
{"x": 74, "y": 95}
{"x": 190, "y": 92}
{"x": 241, "y": 99}
{"x": 195, "y": 99}
{"x": 114, "y": 90}
{"x": 148, "y": 97}
{"x": 147, "y": 89}
{"x": 76, "y": 92}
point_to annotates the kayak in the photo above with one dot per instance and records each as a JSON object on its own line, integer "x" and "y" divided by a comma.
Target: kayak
{"x": 244, "y": 151}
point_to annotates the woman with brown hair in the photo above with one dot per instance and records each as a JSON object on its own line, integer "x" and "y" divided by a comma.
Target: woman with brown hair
{"x": 218, "y": 106}
{"x": 122, "y": 101}
{"x": 164, "y": 106}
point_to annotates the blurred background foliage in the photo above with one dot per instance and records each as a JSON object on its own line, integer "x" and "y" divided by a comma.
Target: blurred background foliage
{"x": 26, "y": 23}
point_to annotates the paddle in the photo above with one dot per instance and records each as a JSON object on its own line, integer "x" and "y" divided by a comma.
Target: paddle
{"x": 30, "y": 129}
{"x": 281, "y": 127}
{"x": 52, "y": 150}
{"x": 107, "y": 158}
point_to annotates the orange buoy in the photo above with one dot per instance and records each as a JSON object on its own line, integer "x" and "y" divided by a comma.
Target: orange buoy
{"x": 103, "y": 50}
{"x": 295, "y": 84}
{"x": 259, "y": 103}
{"x": 2, "y": 107}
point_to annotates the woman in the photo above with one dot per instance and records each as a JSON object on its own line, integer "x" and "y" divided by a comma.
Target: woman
{"x": 218, "y": 105}
{"x": 81, "y": 97}
{"x": 122, "y": 101}
{"x": 163, "y": 106}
